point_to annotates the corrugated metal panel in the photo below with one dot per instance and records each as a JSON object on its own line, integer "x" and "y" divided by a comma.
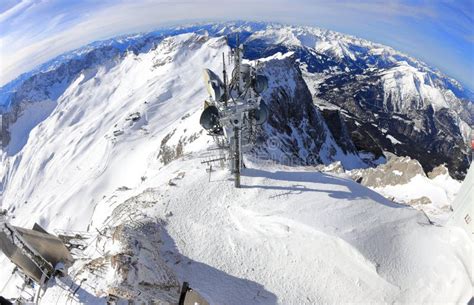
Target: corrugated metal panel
{"x": 47, "y": 246}
{"x": 19, "y": 259}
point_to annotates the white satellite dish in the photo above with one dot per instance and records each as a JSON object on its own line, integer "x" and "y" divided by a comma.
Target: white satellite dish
{"x": 209, "y": 120}
{"x": 214, "y": 85}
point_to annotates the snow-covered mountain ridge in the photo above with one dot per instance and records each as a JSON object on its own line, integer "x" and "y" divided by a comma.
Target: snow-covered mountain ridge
{"x": 329, "y": 43}
{"x": 110, "y": 140}
{"x": 369, "y": 84}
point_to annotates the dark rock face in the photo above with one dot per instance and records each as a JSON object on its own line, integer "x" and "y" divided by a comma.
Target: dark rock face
{"x": 8, "y": 118}
{"x": 296, "y": 131}
{"x": 295, "y": 127}
{"x": 339, "y": 130}
{"x": 257, "y": 48}
{"x": 4, "y": 134}
{"x": 371, "y": 117}
{"x": 431, "y": 137}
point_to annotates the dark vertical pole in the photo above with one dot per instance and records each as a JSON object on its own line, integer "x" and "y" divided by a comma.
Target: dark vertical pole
{"x": 225, "y": 81}
{"x": 237, "y": 156}
{"x": 184, "y": 290}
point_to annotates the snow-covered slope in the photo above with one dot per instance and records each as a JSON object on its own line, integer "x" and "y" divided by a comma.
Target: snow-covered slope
{"x": 293, "y": 236}
{"x": 122, "y": 133}
{"x": 89, "y": 148}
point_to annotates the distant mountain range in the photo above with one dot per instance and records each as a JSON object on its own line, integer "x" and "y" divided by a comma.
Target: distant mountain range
{"x": 366, "y": 97}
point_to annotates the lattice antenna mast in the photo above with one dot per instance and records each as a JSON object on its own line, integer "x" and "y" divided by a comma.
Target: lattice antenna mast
{"x": 238, "y": 119}
{"x": 235, "y": 108}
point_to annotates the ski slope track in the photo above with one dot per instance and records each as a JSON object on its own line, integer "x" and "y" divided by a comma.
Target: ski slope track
{"x": 119, "y": 144}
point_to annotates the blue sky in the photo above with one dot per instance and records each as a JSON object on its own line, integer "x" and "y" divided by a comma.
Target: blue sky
{"x": 440, "y": 32}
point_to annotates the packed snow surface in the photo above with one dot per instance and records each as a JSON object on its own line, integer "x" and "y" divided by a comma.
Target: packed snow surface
{"x": 297, "y": 236}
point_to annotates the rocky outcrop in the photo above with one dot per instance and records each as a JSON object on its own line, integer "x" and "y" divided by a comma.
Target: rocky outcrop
{"x": 421, "y": 200}
{"x": 439, "y": 170}
{"x": 296, "y": 132}
{"x": 4, "y": 134}
{"x": 125, "y": 260}
{"x": 141, "y": 273}
{"x": 397, "y": 170}
{"x": 338, "y": 127}
{"x": 387, "y": 100}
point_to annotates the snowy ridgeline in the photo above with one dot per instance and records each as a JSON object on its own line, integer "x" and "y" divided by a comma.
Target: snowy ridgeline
{"x": 384, "y": 100}
{"x": 119, "y": 152}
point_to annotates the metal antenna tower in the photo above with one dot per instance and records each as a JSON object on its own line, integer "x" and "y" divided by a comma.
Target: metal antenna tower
{"x": 235, "y": 108}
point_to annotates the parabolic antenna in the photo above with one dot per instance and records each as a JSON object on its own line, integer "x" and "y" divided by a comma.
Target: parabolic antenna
{"x": 260, "y": 83}
{"x": 214, "y": 85}
{"x": 209, "y": 120}
{"x": 235, "y": 109}
{"x": 245, "y": 70}
{"x": 261, "y": 113}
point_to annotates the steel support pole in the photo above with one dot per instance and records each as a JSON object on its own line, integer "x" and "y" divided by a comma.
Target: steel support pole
{"x": 237, "y": 156}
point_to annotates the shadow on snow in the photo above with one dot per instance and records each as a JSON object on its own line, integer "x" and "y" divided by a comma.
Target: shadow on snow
{"x": 354, "y": 190}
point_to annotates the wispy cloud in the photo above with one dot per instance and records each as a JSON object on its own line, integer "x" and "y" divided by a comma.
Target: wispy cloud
{"x": 33, "y": 31}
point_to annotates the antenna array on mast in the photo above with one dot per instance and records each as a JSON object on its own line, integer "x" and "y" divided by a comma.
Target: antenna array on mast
{"x": 235, "y": 108}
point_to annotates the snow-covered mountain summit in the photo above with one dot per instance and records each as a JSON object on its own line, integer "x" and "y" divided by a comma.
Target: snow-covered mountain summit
{"x": 107, "y": 138}
{"x": 417, "y": 111}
